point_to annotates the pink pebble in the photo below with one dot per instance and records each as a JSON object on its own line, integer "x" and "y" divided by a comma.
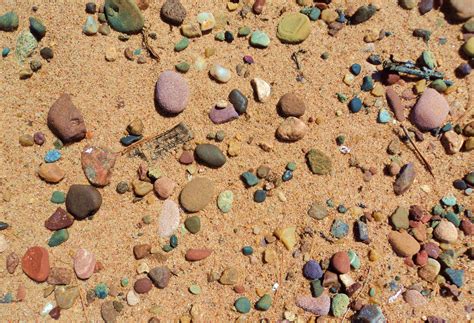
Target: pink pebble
{"x": 172, "y": 92}
{"x": 84, "y": 263}
{"x": 164, "y": 187}
{"x": 430, "y": 111}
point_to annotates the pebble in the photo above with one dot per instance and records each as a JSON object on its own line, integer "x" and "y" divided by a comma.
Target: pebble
{"x": 354, "y": 259}
{"x": 220, "y": 73}
{"x": 239, "y": 101}
{"x": 452, "y": 142}
{"x": 219, "y": 116}
{"x": 258, "y": 6}
{"x": 26, "y": 44}
{"x": 51, "y": 173}
{"x": 97, "y": 164}
{"x": 122, "y": 187}
{"x": 405, "y": 179}
{"x": 259, "y": 39}
{"x": 225, "y": 200}
{"x": 9, "y": 21}
{"x": 294, "y": 28}
{"x": 164, "y": 187}
{"x": 52, "y": 156}
{"x": 414, "y": 298}
{"x": 141, "y": 251}
{"x": 242, "y": 305}
{"x": 108, "y": 312}
{"x": 183, "y": 67}
{"x": 168, "y": 221}
{"x": 247, "y": 250}
{"x": 264, "y": 303}
{"x": 132, "y": 298}
{"x": 403, "y": 244}
{"x": 319, "y": 306}
{"x": 26, "y": 140}
{"x": 210, "y": 155}
{"x": 355, "y": 105}
{"x": 395, "y": 103}
{"x": 408, "y": 4}
{"x": 430, "y": 110}
{"x": 193, "y": 224}
{"x": 171, "y": 92}
{"x": 370, "y": 313}
{"x": 367, "y": 84}
{"x": 287, "y": 236}
{"x": 363, "y": 14}
{"x": 12, "y": 260}
{"x": 291, "y": 105}
{"x": 5, "y": 51}
{"x": 468, "y": 47}
{"x": 197, "y": 194}
{"x": 143, "y": 285}
{"x": 191, "y": 30}
{"x": 318, "y": 162}
{"x": 262, "y": 89}
{"x": 173, "y": 12}
{"x": 84, "y": 263}
{"x": 160, "y": 276}
{"x": 430, "y": 270}
{"x": 249, "y": 179}
{"x": 66, "y": 121}
{"x": 292, "y": 129}
{"x": 260, "y": 196}
{"x": 58, "y": 197}
{"x": 90, "y": 27}
{"x": 35, "y": 263}
{"x": 206, "y": 21}
{"x": 182, "y": 44}
{"x": 59, "y": 276}
{"x": 244, "y": 31}
{"x": 384, "y": 116}
{"x": 58, "y": 237}
{"x": 230, "y": 276}
{"x": 400, "y": 219}
{"x": 3, "y": 243}
{"x": 339, "y": 304}
{"x": 141, "y": 188}
{"x": 3, "y": 225}
{"x": 446, "y": 231}
{"x": 124, "y": 16}
{"x": 312, "y": 270}
{"x": 317, "y": 211}
{"x": 340, "y": 262}
{"x": 83, "y": 201}
{"x": 195, "y": 289}
{"x": 197, "y": 254}
{"x": 66, "y": 296}
{"x": 455, "y": 276}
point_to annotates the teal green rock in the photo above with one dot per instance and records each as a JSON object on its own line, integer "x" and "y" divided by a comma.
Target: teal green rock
{"x": 124, "y": 16}
{"x": 220, "y": 36}
{"x": 339, "y": 304}
{"x": 354, "y": 259}
{"x": 428, "y": 59}
{"x": 90, "y": 26}
{"x": 225, "y": 200}
{"x": 242, "y": 305}
{"x": 37, "y": 28}
{"x": 439, "y": 85}
{"x": 182, "y": 44}
{"x": 26, "y": 43}
{"x": 9, "y": 21}
{"x": 58, "y": 197}
{"x": 264, "y": 303}
{"x": 58, "y": 237}
{"x": 244, "y": 31}
{"x": 182, "y": 67}
{"x": 259, "y": 39}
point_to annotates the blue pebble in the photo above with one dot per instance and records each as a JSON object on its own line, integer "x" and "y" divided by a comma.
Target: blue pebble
{"x": 362, "y": 231}
{"x": 260, "y": 196}
{"x": 312, "y": 270}
{"x": 101, "y": 290}
{"x": 137, "y": 51}
{"x": 449, "y": 200}
{"x": 5, "y": 51}
{"x": 367, "y": 84}
{"x": 247, "y": 250}
{"x": 174, "y": 241}
{"x": 393, "y": 285}
{"x": 7, "y": 298}
{"x": 339, "y": 229}
{"x": 342, "y": 17}
{"x": 52, "y": 156}
{"x": 447, "y": 127}
{"x": 455, "y": 276}
{"x": 355, "y": 105}
{"x": 287, "y": 175}
{"x": 355, "y": 69}
{"x": 341, "y": 209}
{"x": 249, "y": 179}
{"x": 374, "y": 59}
{"x": 460, "y": 184}
{"x": 384, "y": 116}
{"x": 314, "y": 14}
{"x": 130, "y": 139}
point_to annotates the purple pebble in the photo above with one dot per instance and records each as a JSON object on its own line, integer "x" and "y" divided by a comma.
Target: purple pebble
{"x": 248, "y": 59}
{"x": 223, "y": 115}
{"x": 39, "y": 138}
{"x": 312, "y": 270}
{"x": 172, "y": 92}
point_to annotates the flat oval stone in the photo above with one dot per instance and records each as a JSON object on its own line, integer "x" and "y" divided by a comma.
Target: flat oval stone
{"x": 97, "y": 164}
{"x": 430, "y": 111}
{"x": 403, "y": 244}
{"x": 193, "y": 224}
{"x": 318, "y": 162}
{"x": 405, "y": 179}
{"x": 220, "y": 73}
{"x": 317, "y": 305}
{"x": 292, "y": 129}
{"x": 446, "y": 231}
{"x": 210, "y": 155}
{"x": 171, "y": 92}
{"x": 51, "y": 173}
{"x": 60, "y": 219}
{"x": 291, "y": 105}
{"x": 197, "y": 254}
{"x": 238, "y": 100}
{"x": 219, "y": 116}
{"x": 225, "y": 200}
{"x": 66, "y": 121}
{"x": 35, "y": 264}
{"x": 164, "y": 187}
{"x": 124, "y": 16}
{"x": 197, "y": 194}
{"x": 84, "y": 264}
{"x": 294, "y": 28}
{"x": 83, "y": 201}
{"x": 168, "y": 221}
{"x": 143, "y": 285}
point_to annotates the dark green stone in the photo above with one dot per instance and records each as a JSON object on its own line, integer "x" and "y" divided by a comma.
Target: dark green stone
{"x": 124, "y": 16}
{"x": 264, "y": 303}
{"x": 193, "y": 224}
{"x": 58, "y": 237}
{"x": 210, "y": 155}
{"x": 9, "y": 21}
{"x": 58, "y": 197}
{"x": 37, "y": 28}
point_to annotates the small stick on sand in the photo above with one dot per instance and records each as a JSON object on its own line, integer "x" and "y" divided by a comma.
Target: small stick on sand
{"x": 148, "y": 47}
{"x": 427, "y": 165}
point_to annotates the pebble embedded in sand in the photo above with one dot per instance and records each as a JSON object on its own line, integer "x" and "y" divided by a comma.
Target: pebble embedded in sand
{"x": 430, "y": 111}
{"x": 35, "y": 263}
{"x": 171, "y": 92}
{"x": 84, "y": 263}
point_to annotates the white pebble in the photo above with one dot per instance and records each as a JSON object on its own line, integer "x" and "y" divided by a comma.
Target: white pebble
{"x": 3, "y": 243}
{"x": 200, "y": 64}
{"x": 132, "y": 298}
{"x": 262, "y": 89}
{"x": 220, "y": 73}
{"x": 46, "y": 309}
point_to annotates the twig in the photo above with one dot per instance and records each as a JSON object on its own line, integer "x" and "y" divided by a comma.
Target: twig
{"x": 147, "y": 45}
{"x": 427, "y": 165}
{"x": 82, "y": 300}
{"x": 367, "y": 278}
{"x": 294, "y": 57}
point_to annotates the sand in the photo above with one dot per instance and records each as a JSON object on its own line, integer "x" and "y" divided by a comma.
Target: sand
{"x": 111, "y": 94}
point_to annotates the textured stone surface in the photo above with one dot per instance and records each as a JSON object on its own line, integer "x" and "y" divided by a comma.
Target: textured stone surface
{"x": 35, "y": 263}
{"x": 197, "y": 194}
{"x": 66, "y": 121}
{"x": 430, "y": 111}
{"x": 97, "y": 164}
{"x": 83, "y": 201}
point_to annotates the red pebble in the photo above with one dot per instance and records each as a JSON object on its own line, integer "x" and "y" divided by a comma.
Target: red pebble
{"x": 341, "y": 262}
{"x": 409, "y": 262}
{"x": 258, "y": 6}
{"x": 55, "y": 313}
{"x": 392, "y": 78}
{"x": 197, "y": 254}
{"x": 421, "y": 258}
{"x": 467, "y": 227}
{"x": 414, "y": 224}
{"x": 35, "y": 263}
{"x": 186, "y": 157}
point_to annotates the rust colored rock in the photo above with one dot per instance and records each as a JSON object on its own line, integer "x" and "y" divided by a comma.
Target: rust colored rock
{"x": 258, "y": 6}
{"x": 60, "y": 219}
{"x": 51, "y": 173}
{"x": 392, "y": 78}
{"x": 12, "y": 262}
{"x": 21, "y": 293}
{"x": 143, "y": 285}
{"x": 66, "y": 121}
{"x": 186, "y": 158}
{"x": 403, "y": 244}
{"x": 97, "y": 164}
{"x": 395, "y": 103}
{"x": 59, "y": 276}
{"x": 35, "y": 264}
{"x": 341, "y": 262}
{"x": 141, "y": 251}
{"x": 55, "y": 313}
{"x": 197, "y": 254}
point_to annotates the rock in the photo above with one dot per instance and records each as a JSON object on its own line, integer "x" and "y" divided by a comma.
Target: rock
{"x": 206, "y": 21}
{"x": 294, "y": 28}
{"x": 403, "y": 244}
{"x": 452, "y": 142}
{"x": 197, "y": 194}
{"x": 407, "y": 4}
{"x": 108, "y": 312}
{"x": 97, "y": 164}
{"x": 143, "y": 285}
{"x": 124, "y": 16}
{"x": 460, "y": 9}
{"x": 84, "y": 263}
{"x": 261, "y": 89}
{"x": 363, "y": 14}
{"x": 405, "y": 179}
{"x": 141, "y": 251}
{"x": 12, "y": 260}
{"x": 287, "y": 236}
{"x": 135, "y": 127}
{"x": 339, "y": 305}
{"x": 60, "y": 219}
{"x": 3, "y": 243}
{"x": 59, "y": 276}
{"x": 83, "y": 201}
{"x": 51, "y": 173}
{"x": 225, "y": 200}
{"x": 395, "y": 103}
{"x": 35, "y": 263}
{"x": 316, "y": 305}
{"x": 430, "y": 270}
{"x": 242, "y": 305}
{"x": 164, "y": 187}
{"x": 400, "y": 219}
{"x": 171, "y": 92}
{"x": 9, "y": 21}
{"x": 455, "y": 276}
{"x": 292, "y": 129}
{"x": 317, "y": 211}
{"x": 210, "y": 155}
{"x": 446, "y": 231}
{"x": 264, "y": 303}
{"x": 160, "y": 276}
{"x": 340, "y": 262}
{"x": 193, "y": 224}
{"x": 318, "y": 162}
{"x": 291, "y": 106}
{"x": 66, "y": 296}
{"x": 259, "y": 39}
{"x": 249, "y": 179}
{"x": 369, "y": 314}
{"x": 143, "y": 4}
{"x": 66, "y": 121}
{"x": 26, "y": 140}
{"x": 197, "y": 254}
{"x": 414, "y": 298}
{"x": 219, "y": 116}
{"x": 430, "y": 111}
{"x": 191, "y": 30}
{"x": 312, "y": 270}
{"x": 168, "y": 221}
{"x": 26, "y": 44}
{"x": 173, "y": 12}
{"x": 37, "y": 28}
{"x": 141, "y": 188}
{"x": 90, "y": 27}
{"x": 339, "y": 229}
{"x": 111, "y": 54}
{"x": 230, "y": 276}
{"x": 220, "y": 73}
{"x": 239, "y": 101}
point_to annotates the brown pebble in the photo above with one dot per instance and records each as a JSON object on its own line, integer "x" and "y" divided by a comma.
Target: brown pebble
{"x": 197, "y": 254}
{"x": 341, "y": 262}
{"x": 55, "y": 313}
{"x": 395, "y": 103}
{"x": 12, "y": 262}
{"x": 392, "y": 78}
{"x": 21, "y": 293}
{"x": 187, "y": 157}
{"x": 141, "y": 251}
{"x": 60, "y": 219}
{"x": 258, "y": 6}
{"x": 239, "y": 289}
{"x": 51, "y": 173}
{"x": 66, "y": 121}
{"x": 143, "y": 285}
{"x": 59, "y": 276}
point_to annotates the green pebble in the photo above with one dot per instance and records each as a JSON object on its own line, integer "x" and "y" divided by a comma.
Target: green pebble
{"x": 58, "y": 197}
{"x": 264, "y": 303}
{"x": 58, "y": 237}
{"x": 58, "y": 144}
{"x": 316, "y": 288}
{"x": 259, "y": 39}
{"x": 220, "y": 36}
{"x": 225, "y": 200}
{"x": 340, "y": 140}
{"x": 428, "y": 59}
{"x": 146, "y": 219}
{"x": 291, "y": 166}
{"x": 167, "y": 248}
{"x": 372, "y": 292}
{"x": 439, "y": 85}
{"x": 182, "y": 44}
{"x": 244, "y": 31}
{"x": 242, "y": 305}
{"x": 220, "y": 135}
{"x": 325, "y": 55}
{"x": 182, "y": 67}
{"x": 469, "y": 25}
{"x": 124, "y": 282}
{"x": 155, "y": 173}
{"x": 341, "y": 97}
{"x": 195, "y": 289}
{"x": 193, "y": 224}
{"x": 26, "y": 43}
{"x": 354, "y": 259}
{"x": 124, "y": 16}
{"x": 468, "y": 47}
{"x": 37, "y": 28}
{"x": 247, "y": 250}
{"x": 9, "y": 21}
{"x": 101, "y": 290}
{"x": 339, "y": 304}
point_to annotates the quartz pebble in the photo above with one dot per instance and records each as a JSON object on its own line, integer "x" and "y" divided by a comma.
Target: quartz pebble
{"x": 66, "y": 296}
{"x": 225, "y": 200}
{"x": 171, "y": 92}
{"x": 316, "y": 305}
{"x": 262, "y": 89}
{"x": 446, "y": 231}
{"x": 292, "y": 129}
{"x": 168, "y": 221}
{"x": 220, "y": 73}
{"x": 132, "y": 298}
{"x": 84, "y": 263}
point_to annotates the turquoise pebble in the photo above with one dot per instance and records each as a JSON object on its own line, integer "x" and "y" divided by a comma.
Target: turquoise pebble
{"x": 137, "y": 51}
{"x": 354, "y": 259}
{"x": 312, "y": 13}
{"x": 5, "y": 51}
{"x": 124, "y": 282}
{"x": 455, "y": 276}
{"x": 439, "y": 85}
{"x": 259, "y": 39}
{"x": 249, "y": 179}
{"x": 37, "y": 28}
{"x": 247, "y": 250}
{"x": 182, "y": 44}
{"x": 449, "y": 200}
{"x": 101, "y": 290}
{"x": 437, "y": 210}
{"x": 384, "y": 116}
{"x": 260, "y": 196}
{"x": 242, "y": 305}
{"x": 90, "y": 27}
{"x": 220, "y": 36}
{"x": 330, "y": 203}
{"x": 355, "y": 69}
{"x": 58, "y": 197}
{"x": 52, "y": 156}
{"x": 130, "y": 139}
{"x": 372, "y": 292}
{"x": 341, "y": 209}
{"x": 287, "y": 175}
{"x": 167, "y": 248}
{"x": 355, "y": 105}
{"x": 244, "y": 31}
{"x": 173, "y": 241}
{"x": 453, "y": 218}
{"x": 264, "y": 303}
{"x": 339, "y": 229}
{"x": 7, "y": 298}
{"x": 58, "y": 237}
{"x": 367, "y": 84}
{"x": 182, "y": 67}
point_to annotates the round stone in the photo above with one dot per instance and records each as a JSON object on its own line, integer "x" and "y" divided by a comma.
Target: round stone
{"x": 197, "y": 194}
{"x": 242, "y": 305}
{"x": 83, "y": 201}
{"x": 172, "y": 92}
{"x": 468, "y": 47}
{"x": 291, "y": 106}
{"x": 84, "y": 263}
{"x": 35, "y": 263}
{"x": 124, "y": 16}
{"x": 294, "y": 28}
{"x": 143, "y": 285}
{"x": 193, "y": 224}
{"x": 164, "y": 187}
{"x": 259, "y": 39}
{"x": 173, "y": 12}
{"x": 210, "y": 155}
{"x": 312, "y": 270}
{"x": 292, "y": 129}
{"x": 224, "y": 201}
{"x": 220, "y": 73}
{"x": 430, "y": 111}
{"x": 341, "y": 262}
{"x": 446, "y": 231}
